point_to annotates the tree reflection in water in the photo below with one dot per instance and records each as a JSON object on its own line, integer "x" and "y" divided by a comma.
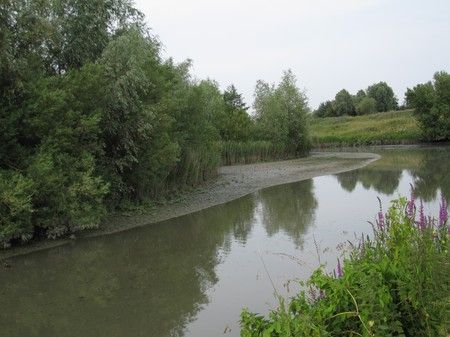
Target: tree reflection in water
{"x": 429, "y": 168}
{"x": 151, "y": 281}
{"x": 154, "y": 280}
{"x": 289, "y": 209}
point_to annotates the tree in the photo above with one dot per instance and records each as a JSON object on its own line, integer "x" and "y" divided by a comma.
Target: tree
{"x": 233, "y": 99}
{"x": 384, "y": 96}
{"x": 325, "y": 109}
{"x": 366, "y": 106}
{"x": 84, "y": 28}
{"x": 281, "y": 114}
{"x": 431, "y": 103}
{"x": 233, "y": 123}
{"x": 360, "y": 95}
{"x": 343, "y": 104}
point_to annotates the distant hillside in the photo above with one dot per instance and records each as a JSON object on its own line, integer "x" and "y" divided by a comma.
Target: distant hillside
{"x": 395, "y": 127}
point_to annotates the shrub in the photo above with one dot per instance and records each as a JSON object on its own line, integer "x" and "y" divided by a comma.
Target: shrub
{"x": 15, "y": 207}
{"x": 395, "y": 284}
{"x": 68, "y": 196}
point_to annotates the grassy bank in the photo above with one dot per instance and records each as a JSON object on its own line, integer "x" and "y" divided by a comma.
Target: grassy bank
{"x": 396, "y": 127}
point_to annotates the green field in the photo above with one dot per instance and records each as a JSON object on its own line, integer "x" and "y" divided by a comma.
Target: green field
{"x": 396, "y": 127}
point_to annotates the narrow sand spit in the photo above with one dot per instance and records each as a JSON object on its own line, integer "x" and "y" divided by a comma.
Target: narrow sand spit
{"x": 232, "y": 182}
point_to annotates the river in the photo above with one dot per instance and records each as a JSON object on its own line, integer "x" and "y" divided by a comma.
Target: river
{"x": 192, "y": 275}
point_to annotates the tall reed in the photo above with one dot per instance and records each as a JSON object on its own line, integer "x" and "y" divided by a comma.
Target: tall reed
{"x": 251, "y": 152}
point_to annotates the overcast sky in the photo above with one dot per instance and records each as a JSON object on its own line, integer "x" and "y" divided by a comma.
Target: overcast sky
{"x": 329, "y": 44}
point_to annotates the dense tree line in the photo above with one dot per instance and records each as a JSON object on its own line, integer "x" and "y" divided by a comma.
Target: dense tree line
{"x": 378, "y": 97}
{"x": 91, "y": 116}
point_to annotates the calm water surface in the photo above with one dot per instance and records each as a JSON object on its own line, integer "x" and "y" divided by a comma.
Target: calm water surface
{"x": 191, "y": 276}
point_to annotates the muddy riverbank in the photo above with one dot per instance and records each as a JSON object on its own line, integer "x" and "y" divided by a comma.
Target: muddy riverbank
{"x": 232, "y": 182}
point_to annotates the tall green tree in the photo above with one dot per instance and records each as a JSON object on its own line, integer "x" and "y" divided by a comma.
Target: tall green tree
{"x": 384, "y": 96}
{"x": 343, "y": 104}
{"x": 281, "y": 114}
{"x": 84, "y": 28}
{"x": 360, "y": 95}
{"x": 234, "y": 123}
{"x": 431, "y": 103}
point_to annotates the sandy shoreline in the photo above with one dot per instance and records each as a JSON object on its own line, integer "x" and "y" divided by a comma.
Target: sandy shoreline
{"x": 232, "y": 182}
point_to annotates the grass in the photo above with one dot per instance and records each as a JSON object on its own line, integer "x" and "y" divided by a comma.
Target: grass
{"x": 395, "y": 127}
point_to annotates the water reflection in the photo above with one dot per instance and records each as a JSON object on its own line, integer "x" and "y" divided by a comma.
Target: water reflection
{"x": 382, "y": 181}
{"x": 150, "y": 279}
{"x": 146, "y": 282}
{"x": 290, "y": 209}
{"x": 429, "y": 167}
{"x": 190, "y": 276}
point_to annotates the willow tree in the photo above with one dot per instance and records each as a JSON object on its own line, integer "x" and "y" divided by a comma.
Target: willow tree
{"x": 282, "y": 114}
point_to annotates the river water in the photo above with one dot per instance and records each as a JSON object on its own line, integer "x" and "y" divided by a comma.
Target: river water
{"x": 192, "y": 275}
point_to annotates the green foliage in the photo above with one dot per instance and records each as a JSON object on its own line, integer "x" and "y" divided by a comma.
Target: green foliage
{"x": 384, "y": 96}
{"x": 343, "y": 104}
{"x": 233, "y": 100}
{"x": 282, "y": 115}
{"x": 93, "y": 118}
{"x": 325, "y": 109}
{"x": 16, "y": 208}
{"x": 360, "y": 95}
{"x": 68, "y": 196}
{"x": 234, "y": 123}
{"x": 379, "y": 97}
{"x": 396, "y": 127}
{"x": 200, "y": 155}
{"x": 431, "y": 103}
{"x": 233, "y": 152}
{"x": 367, "y": 105}
{"x": 395, "y": 284}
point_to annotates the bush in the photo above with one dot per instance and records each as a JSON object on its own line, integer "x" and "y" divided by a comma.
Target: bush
{"x": 15, "y": 207}
{"x": 395, "y": 284}
{"x": 68, "y": 196}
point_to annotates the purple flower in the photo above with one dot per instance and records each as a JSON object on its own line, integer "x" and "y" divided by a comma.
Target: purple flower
{"x": 339, "y": 269}
{"x": 411, "y": 205}
{"x": 380, "y": 220}
{"x": 443, "y": 213}
{"x": 422, "y": 220}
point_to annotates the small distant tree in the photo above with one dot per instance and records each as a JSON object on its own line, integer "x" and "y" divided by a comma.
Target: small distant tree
{"x": 384, "y": 96}
{"x": 431, "y": 103}
{"x": 360, "y": 95}
{"x": 366, "y": 106}
{"x": 343, "y": 104}
{"x": 325, "y": 109}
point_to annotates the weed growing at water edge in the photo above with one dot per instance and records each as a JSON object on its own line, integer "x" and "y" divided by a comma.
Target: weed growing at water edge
{"x": 393, "y": 284}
